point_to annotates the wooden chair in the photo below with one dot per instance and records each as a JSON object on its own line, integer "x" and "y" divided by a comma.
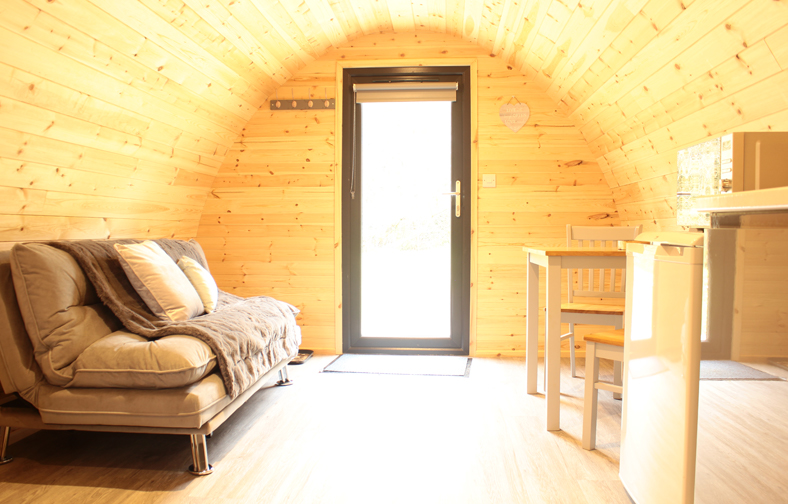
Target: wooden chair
{"x": 601, "y": 345}
{"x": 594, "y": 284}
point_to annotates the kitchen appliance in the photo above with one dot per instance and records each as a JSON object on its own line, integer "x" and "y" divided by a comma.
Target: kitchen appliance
{"x": 734, "y": 162}
{"x": 662, "y": 346}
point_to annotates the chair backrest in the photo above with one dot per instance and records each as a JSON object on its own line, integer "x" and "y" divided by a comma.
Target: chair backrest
{"x": 598, "y": 283}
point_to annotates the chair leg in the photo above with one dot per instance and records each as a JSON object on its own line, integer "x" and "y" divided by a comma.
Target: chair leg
{"x": 618, "y": 366}
{"x": 544, "y": 357}
{"x": 572, "y": 350}
{"x": 200, "y": 467}
{"x": 4, "y": 459}
{"x": 590, "y": 399}
{"x": 284, "y": 378}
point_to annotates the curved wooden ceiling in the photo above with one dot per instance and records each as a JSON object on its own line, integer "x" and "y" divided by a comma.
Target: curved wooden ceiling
{"x": 141, "y": 100}
{"x": 618, "y": 68}
{"x": 117, "y": 115}
{"x": 571, "y": 48}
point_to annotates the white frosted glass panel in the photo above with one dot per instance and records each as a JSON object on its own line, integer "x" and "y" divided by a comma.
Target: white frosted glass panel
{"x": 405, "y": 220}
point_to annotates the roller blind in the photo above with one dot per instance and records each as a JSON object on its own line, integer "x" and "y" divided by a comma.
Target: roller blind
{"x": 405, "y": 91}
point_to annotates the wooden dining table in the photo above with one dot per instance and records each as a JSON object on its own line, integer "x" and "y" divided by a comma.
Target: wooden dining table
{"x": 553, "y": 259}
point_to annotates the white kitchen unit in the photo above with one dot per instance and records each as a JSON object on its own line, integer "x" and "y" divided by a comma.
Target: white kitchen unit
{"x": 661, "y": 367}
{"x": 731, "y": 165}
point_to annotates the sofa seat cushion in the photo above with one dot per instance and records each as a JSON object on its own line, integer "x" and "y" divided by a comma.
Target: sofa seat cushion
{"x": 186, "y": 407}
{"x": 182, "y": 407}
{"x": 126, "y": 360}
{"x": 61, "y": 310}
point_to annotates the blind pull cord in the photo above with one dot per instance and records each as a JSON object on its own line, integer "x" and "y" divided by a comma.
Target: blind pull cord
{"x": 353, "y": 143}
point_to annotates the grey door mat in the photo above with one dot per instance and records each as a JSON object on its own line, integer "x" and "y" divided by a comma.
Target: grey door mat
{"x": 731, "y": 370}
{"x": 427, "y": 365}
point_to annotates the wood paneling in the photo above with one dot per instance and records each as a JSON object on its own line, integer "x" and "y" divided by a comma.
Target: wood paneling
{"x": 764, "y": 303}
{"x": 117, "y": 116}
{"x": 699, "y": 69}
{"x": 264, "y": 225}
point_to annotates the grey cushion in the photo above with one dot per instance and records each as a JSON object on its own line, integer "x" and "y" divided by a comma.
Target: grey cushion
{"x": 200, "y": 252}
{"x": 62, "y": 313}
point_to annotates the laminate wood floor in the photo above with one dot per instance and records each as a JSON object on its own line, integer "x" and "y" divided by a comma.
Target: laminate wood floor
{"x": 352, "y": 438}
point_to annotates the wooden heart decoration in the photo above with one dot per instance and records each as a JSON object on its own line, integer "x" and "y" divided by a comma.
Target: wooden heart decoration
{"x": 514, "y": 116}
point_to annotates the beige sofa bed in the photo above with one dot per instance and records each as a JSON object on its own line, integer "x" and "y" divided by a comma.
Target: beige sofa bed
{"x": 72, "y": 365}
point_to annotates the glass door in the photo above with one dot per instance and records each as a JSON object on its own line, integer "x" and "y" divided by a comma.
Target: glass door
{"x": 405, "y": 221}
{"x": 406, "y": 239}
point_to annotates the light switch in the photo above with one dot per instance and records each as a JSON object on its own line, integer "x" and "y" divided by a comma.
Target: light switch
{"x": 488, "y": 180}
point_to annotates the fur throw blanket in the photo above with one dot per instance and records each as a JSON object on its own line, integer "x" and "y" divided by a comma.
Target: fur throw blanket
{"x": 248, "y": 335}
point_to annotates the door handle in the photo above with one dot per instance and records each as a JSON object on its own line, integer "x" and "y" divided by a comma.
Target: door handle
{"x": 457, "y": 198}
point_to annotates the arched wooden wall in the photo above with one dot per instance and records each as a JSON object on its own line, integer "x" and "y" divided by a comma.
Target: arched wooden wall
{"x": 268, "y": 223}
{"x": 678, "y": 73}
{"x": 115, "y": 117}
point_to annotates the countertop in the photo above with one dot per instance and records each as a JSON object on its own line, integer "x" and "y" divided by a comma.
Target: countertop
{"x": 761, "y": 200}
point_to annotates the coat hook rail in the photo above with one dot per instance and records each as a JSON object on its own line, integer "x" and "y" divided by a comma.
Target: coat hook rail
{"x": 312, "y": 102}
{"x": 303, "y": 104}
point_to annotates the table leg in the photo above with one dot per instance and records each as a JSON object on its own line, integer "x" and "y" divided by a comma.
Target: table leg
{"x": 532, "y": 327}
{"x": 553, "y": 343}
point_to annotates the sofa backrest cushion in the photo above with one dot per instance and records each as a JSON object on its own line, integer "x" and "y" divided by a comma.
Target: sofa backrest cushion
{"x": 18, "y": 369}
{"x": 159, "y": 281}
{"x": 202, "y": 281}
{"x": 199, "y": 252}
{"x": 62, "y": 313}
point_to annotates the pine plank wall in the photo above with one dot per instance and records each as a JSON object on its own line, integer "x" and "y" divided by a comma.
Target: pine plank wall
{"x": 149, "y": 119}
{"x": 268, "y": 223}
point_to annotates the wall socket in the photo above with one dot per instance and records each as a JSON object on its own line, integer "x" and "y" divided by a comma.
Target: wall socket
{"x": 488, "y": 180}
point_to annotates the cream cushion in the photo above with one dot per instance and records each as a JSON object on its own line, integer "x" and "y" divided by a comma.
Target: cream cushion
{"x": 127, "y": 360}
{"x": 159, "y": 281}
{"x": 202, "y": 281}
{"x": 61, "y": 310}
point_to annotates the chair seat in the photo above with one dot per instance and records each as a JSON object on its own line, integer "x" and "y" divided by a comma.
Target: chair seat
{"x": 600, "y": 309}
{"x": 613, "y": 338}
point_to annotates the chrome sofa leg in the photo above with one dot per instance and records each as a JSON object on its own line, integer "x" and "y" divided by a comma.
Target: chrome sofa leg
{"x": 284, "y": 379}
{"x": 4, "y": 459}
{"x": 201, "y": 467}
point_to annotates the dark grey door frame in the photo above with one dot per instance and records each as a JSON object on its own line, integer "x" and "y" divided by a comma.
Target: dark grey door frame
{"x": 459, "y": 344}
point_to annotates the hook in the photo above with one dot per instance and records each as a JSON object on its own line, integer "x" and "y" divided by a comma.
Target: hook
{"x": 278, "y": 103}
{"x": 325, "y": 94}
{"x": 292, "y": 95}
